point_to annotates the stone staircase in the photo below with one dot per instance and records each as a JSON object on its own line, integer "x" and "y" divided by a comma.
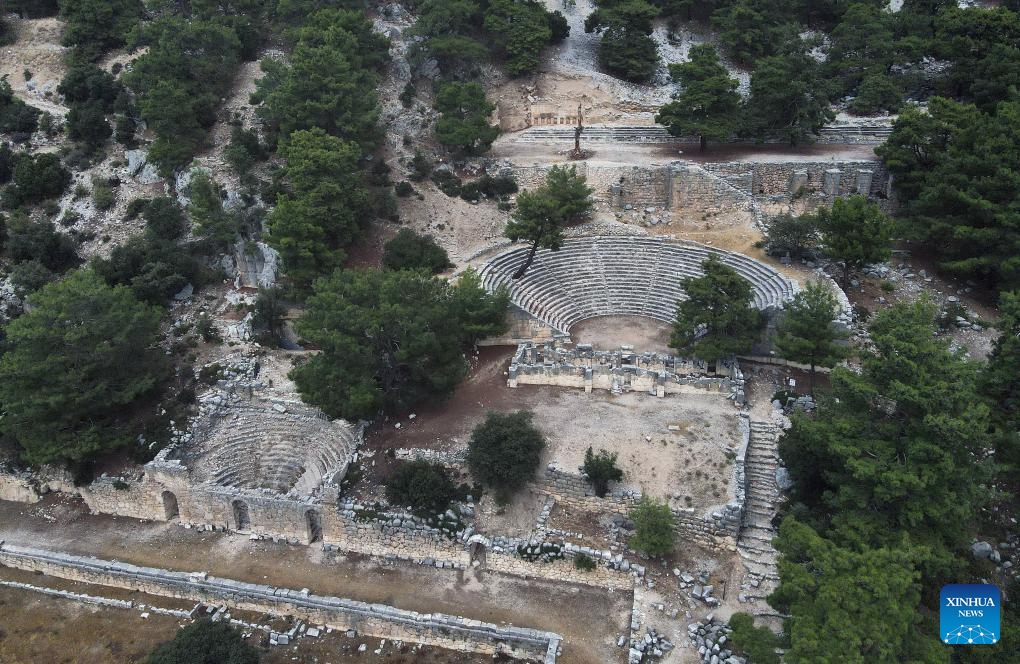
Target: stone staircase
{"x": 757, "y": 531}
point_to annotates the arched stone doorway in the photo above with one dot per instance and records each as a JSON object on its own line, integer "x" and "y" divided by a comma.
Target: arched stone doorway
{"x": 477, "y": 546}
{"x": 242, "y": 521}
{"x": 170, "y": 507}
{"x": 313, "y": 521}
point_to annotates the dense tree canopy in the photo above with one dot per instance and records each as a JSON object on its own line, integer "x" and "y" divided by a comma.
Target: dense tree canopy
{"x": 15, "y": 115}
{"x": 96, "y": 26}
{"x": 845, "y": 605}
{"x": 1000, "y": 384}
{"x": 325, "y": 209}
{"x": 797, "y": 235}
{"x": 179, "y": 82}
{"x": 626, "y": 49}
{"x": 654, "y": 526}
{"x": 808, "y": 332}
{"x": 707, "y": 104}
{"x": 542, "y": 213}
{"x": 900, "y": 446}
{"x": 36, "y": 177}
{"x": 464, "y": 125}
{"x": 789, "y": 99}
{"x": 154, "y": 264}
{"x": 412, "y": 251}
{"x": 855, "y": 232}
{"x": 423, "y": 486}
{"x": 329, "y": 82}
{"x": 957, "y": 170}
{"x": 389, "y": 340}
{"x": 480, "y": 313}
{"x": 716, "y": 320}
{"x": 40, "y": 241}
{"x": 77, "y": 361}
{"x": 212, "y": 223}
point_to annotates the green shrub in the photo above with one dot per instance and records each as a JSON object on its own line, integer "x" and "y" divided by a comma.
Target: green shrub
{"x": 498, "y": 188}
{"x": 403, "y": 189}
{"x": 412, "y": 251}
{"x": 205, "y": 642}
{"x": 447, "y": 182}
{"x": 102, "y": 195}
{"x": 655, "y": 529}
{"x": 601, "y": 469}
{"x": 424, "y": 487}
{"x": 407, "y": 95}
{"x": 36, "y": 178}
{"x": 757, "y": 643}
{"x": 421, "y": 167}
{"x": 584, "y": 562}
{"x": 207, "y": 329}
{"x": 209, "y": 374}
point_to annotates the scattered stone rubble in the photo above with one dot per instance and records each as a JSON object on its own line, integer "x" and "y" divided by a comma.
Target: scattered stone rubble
{"x": 650, "y": 647}
{"x": 710, "y": 638}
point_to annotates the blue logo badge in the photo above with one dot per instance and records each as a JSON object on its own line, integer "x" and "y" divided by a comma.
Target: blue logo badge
{"x": 969, "y": 614}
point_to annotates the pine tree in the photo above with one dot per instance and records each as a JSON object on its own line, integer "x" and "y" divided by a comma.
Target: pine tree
{"x": 542, "y": 213}
{"x": 716, "y": 320}
{"x": 707, "y": 103}
{"x": 856, "y": 233}
{"x": 808, "y": 333}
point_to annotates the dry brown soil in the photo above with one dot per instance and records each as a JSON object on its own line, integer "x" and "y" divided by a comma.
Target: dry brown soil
{"x": 596, "y": 617}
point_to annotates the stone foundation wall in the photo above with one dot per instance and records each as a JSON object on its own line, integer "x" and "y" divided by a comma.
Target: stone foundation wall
{"x": 376, "y": 620}
{"x": 800, "y": 178}
{"x": 718, "y": 528}
{"x": 623, "y": 370}
{"x": 723, "y": 186}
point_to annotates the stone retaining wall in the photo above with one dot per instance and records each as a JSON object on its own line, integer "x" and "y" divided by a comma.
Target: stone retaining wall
{"x": 18, "y": 487}
{"x": 722, "y": 186}
{"x": 376, "y": 620}
{"x": 718, "y": 528}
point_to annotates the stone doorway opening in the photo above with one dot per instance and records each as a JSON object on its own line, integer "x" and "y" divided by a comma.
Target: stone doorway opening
{"x": 314, "y": 522}
{"x": 242, "y": 520}
{"x": 170, "y": 507}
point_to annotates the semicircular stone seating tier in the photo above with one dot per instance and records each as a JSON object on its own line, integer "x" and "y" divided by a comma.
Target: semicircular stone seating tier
{"x": 619, "y": 276}
{"x": 255, "y": 448}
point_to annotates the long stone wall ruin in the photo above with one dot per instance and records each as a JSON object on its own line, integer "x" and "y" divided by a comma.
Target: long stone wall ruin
{"x": 376, "y": 620}
{"x": 698, "y": 187}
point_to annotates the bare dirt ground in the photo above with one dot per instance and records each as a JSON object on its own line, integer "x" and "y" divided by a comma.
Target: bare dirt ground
{"x": 43, "y": 629}
{"x": 690, "y": 462}
{"x": 610, "y": 332}
{"x": 597, "y": 616}
{"x": 36, "y": 50}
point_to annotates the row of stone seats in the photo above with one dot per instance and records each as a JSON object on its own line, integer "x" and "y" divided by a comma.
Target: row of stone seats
{"x": 605, "y": 276}
{"x": 278, "y": 451}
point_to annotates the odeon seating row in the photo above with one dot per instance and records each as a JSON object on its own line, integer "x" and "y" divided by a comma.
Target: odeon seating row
{"x": 602, "y": 276}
